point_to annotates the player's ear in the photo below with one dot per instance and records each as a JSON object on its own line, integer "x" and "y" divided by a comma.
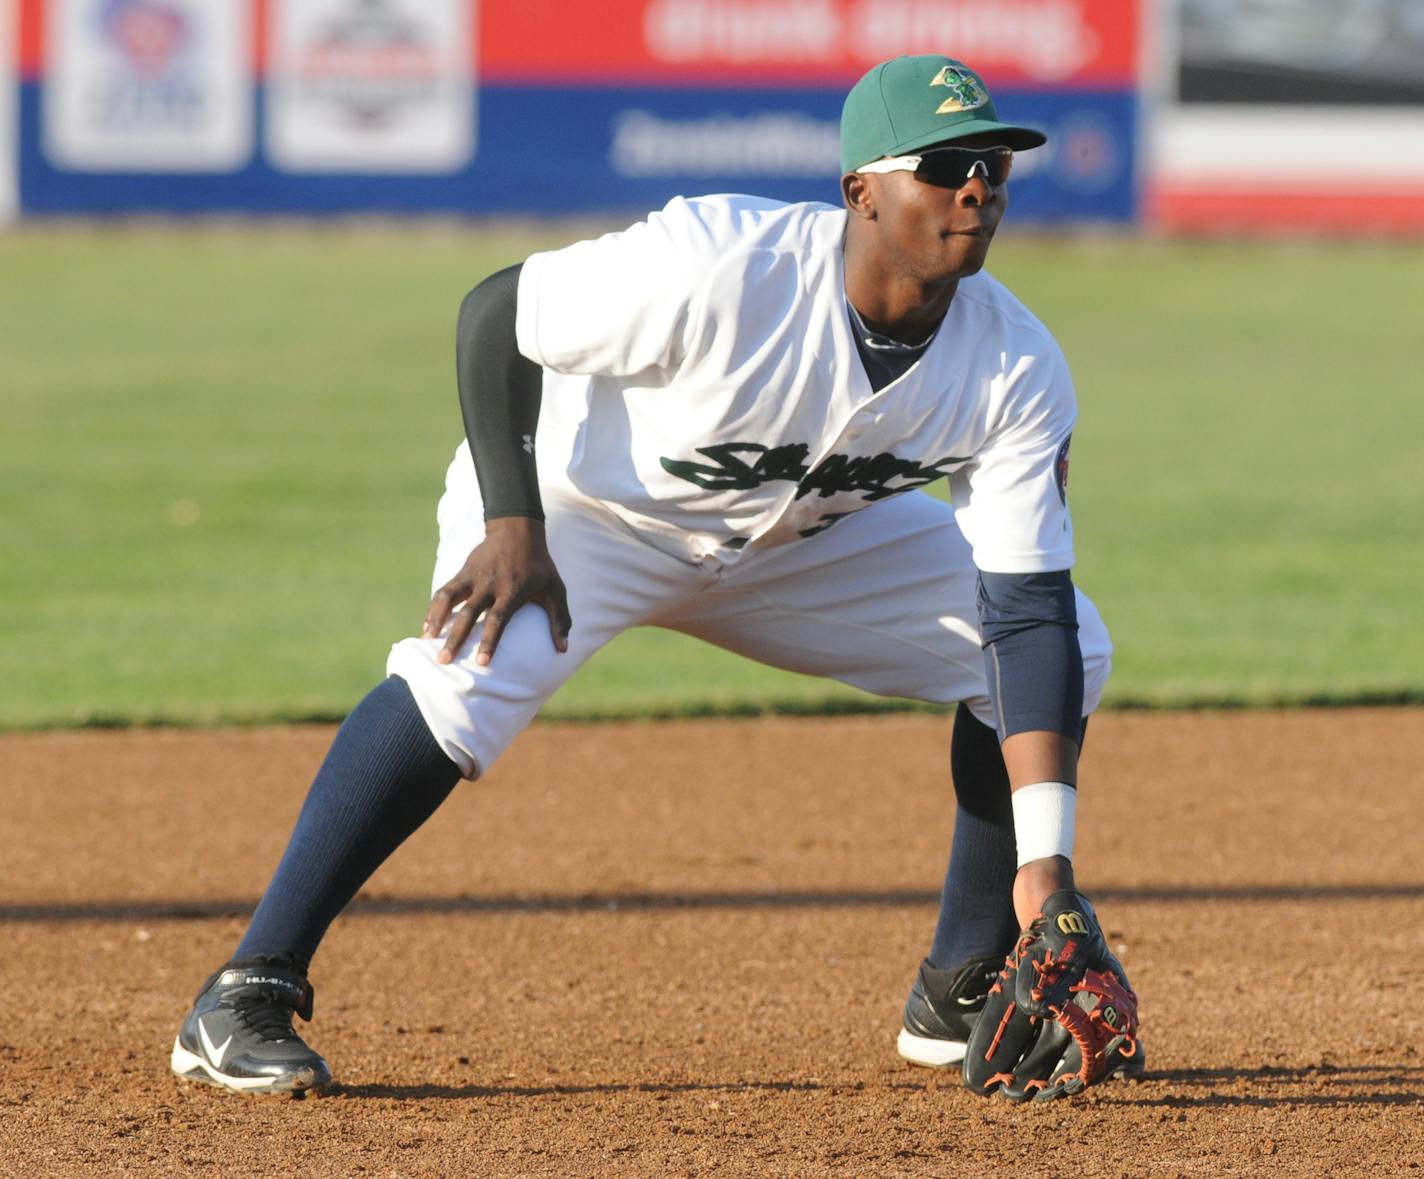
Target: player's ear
{"x": 859, "y": 195}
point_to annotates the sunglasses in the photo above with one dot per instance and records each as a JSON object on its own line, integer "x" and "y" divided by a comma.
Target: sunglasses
{"x": 951, "y": 167}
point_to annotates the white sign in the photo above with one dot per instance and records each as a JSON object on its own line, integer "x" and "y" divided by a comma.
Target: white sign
{"x": 148, "y": 85}
{"x": 371, "y": 86}
{"x": 9, "y": 108}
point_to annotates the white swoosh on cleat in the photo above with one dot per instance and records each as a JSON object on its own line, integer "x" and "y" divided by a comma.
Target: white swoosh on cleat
{"x": 215, "y": 1052}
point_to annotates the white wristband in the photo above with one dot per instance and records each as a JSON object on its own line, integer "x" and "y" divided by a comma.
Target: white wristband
{"x": 1044, "y": 818}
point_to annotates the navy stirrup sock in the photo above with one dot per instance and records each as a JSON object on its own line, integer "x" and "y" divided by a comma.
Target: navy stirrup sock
{"x": 382, "y": 778}
{"x": 976, "y": 916}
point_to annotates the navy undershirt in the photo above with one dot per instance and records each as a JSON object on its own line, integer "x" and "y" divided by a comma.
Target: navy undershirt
{"x": 885, "y": 360}
{"x": 500, "y": 392}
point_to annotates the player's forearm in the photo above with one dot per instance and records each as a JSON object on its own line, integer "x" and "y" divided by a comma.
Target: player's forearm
{"x": 1040, "y": 756}
{"x": 500, "y": 391}
{"x": 1043, "y": 774}
{"x": 1035, "y": 671}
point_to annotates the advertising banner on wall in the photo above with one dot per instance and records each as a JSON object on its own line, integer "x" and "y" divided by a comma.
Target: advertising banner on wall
{"x": 539, "y": 106}
{"x": 150, "y": 86}
{"x": 791, "y": 43}
{"x": 9, "y": 81}
{"x": 646, "y": 98}
{"x": 357, "y": 86}
{"x": 1251, "y": 94}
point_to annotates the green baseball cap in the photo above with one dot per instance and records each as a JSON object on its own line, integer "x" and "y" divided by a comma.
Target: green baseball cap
{"x": 912, "y": 102}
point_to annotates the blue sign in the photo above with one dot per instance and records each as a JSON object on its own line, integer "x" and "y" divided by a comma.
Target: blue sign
{"x": 600, "y": 149}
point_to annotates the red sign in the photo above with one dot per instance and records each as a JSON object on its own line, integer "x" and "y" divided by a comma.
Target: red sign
{"x": 1033, "y": 43}
{"x": 31, "y": 22}
{"x": 1209, "y": 210}
{"x": 770, "y": 43}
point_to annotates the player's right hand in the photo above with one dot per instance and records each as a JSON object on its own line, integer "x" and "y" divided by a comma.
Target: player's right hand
{"x": 510, "y": 568}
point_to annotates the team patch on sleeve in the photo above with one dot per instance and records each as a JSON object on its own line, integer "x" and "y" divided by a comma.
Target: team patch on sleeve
{"x": 1060, "y": 470}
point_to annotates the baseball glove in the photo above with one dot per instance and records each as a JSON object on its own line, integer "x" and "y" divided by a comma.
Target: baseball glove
{"x": 1061, "y": 1016}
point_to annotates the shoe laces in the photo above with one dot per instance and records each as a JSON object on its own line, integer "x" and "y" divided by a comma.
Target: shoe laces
{"x": 265, "y": 1014}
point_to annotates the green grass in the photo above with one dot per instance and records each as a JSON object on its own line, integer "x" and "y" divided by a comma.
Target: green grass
{"x": 221, "y": 452}
{"x": 1246, "y": 477}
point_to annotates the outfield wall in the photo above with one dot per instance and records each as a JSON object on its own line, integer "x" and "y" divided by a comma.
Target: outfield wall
{"x": 1204, "y": 116}
{"x": 539, "y": 106}
{"x": 1281, "y": 115}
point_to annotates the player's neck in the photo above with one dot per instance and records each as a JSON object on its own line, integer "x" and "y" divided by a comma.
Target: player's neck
{"x": 895, "y": 305}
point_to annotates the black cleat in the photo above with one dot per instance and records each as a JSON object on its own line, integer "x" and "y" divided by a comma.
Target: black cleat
{"x": 239, "y": 1033}
{"x": 942, "y": 1008}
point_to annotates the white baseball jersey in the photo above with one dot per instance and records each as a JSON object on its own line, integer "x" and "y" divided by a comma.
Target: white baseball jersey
{"x": 702, "y": 380}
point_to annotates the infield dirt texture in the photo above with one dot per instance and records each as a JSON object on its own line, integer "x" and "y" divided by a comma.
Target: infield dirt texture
{"x": 681, "y": 948}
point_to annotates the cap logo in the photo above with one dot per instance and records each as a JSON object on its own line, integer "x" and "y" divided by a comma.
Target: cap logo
{"x": 965, "y": 93}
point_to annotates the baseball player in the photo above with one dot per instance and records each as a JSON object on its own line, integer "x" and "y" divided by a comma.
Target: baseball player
{"x": 713, "y": 421}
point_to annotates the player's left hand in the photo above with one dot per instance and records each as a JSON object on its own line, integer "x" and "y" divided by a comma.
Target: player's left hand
{"x": 509, "y": 569}
{"x": 1061, "y": 1016}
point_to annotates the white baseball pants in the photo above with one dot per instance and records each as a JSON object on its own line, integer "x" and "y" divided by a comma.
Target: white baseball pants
{"x": 882, "y": 600}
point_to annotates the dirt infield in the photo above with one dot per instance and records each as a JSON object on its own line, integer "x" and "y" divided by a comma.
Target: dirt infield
{"x": 681, "y": 949}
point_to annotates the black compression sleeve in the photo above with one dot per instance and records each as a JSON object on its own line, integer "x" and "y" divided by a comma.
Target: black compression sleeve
{"x": 1029, "y": 623}
{"x": 500, "y": 392}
